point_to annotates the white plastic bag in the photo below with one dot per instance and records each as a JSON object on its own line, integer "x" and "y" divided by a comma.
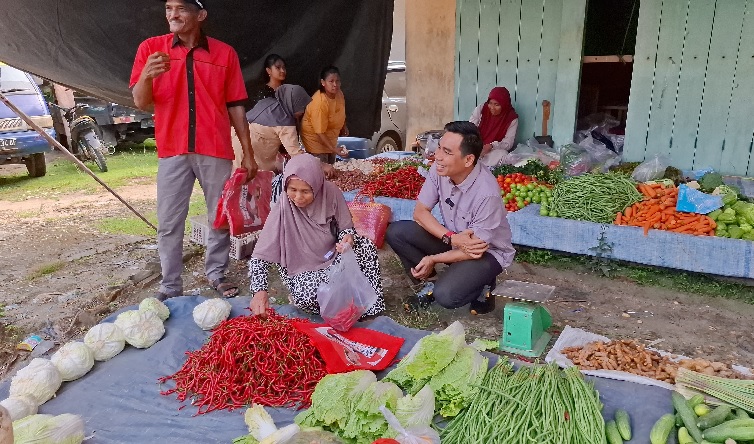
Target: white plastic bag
{"x": 411, "y": 435}
{"x": 651, "y": 169}
{"x": 347, "y": 293}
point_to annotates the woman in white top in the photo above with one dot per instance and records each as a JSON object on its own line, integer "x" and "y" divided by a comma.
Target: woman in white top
{"x": 498, "y": 123}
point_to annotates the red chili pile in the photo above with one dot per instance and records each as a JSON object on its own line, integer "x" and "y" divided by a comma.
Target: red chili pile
{"x": 346, "y": 317}
{"x": 250, "y": 359}
{"x": 404, "y": 183}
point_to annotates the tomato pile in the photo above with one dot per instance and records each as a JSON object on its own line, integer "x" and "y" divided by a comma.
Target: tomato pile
{"x": 519, "y": 190}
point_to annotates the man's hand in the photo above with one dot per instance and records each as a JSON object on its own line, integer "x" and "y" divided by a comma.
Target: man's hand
{"x": 158, "y": 63}
{"x": 347, "y": 241}
{"x": 424, "y": 268}
{"x": 260, "y": 303}
{"x": 250, "y": 165}
{"x": 467, "y": 242}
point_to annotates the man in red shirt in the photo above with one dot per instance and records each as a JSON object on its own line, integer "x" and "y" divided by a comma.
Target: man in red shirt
{"x": 195, "y": 86}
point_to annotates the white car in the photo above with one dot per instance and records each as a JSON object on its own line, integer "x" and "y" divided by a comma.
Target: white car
{"x": 392, "y": 133}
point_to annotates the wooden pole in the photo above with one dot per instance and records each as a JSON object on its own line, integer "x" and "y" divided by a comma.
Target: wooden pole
{"x": 75, "y": 160}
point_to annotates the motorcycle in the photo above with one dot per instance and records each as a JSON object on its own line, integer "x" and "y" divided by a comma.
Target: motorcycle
{"x": 87, "y": 141}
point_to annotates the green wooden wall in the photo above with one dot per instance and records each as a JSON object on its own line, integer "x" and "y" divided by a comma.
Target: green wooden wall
{"x": 693, "y": 84}
{"x": 533, "y": 48}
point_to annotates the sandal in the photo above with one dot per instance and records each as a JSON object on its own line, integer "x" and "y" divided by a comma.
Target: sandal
{"x": 226, "y": 289}
{"x": 160, "y": 296}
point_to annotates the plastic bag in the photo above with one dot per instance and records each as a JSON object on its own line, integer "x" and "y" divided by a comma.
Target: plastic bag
{"x": 651, "y": 169}
{"x": 244, "y": 207}
{"x": 411, "y": 435}
{"x": 693, "y": 201}
{"x": 575, "y": 160}
{"x": 370, "y": 218}
{"x": 602, "y": 157}
{"x": 347, "y": 293}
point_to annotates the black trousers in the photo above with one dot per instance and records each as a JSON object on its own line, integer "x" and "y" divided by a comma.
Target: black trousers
{"x": 458, "y": 285}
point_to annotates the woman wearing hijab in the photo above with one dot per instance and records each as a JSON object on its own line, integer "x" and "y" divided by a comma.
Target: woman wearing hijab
{"x": 273, "y": 122}
{"x": 498, "y": 123}
{"x": 310, "y": 222}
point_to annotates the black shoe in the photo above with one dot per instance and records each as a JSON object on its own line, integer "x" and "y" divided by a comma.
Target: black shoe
{"x": 480, "y": 307}
{"x": 421, "y": 300}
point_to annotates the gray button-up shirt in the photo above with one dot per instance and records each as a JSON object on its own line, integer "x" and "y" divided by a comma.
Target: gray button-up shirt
{"x": 473, "y": 204}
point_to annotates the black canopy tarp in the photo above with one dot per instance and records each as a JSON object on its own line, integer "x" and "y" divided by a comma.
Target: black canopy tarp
{"x": 90, "y": 45}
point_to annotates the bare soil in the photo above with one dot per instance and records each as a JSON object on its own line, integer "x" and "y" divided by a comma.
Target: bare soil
{"x": 60, "y": 276}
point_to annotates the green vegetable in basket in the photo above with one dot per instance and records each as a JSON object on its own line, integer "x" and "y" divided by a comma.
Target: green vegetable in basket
{"x": 721, "y": 233}
{"x": 748, "y": 236}
{"x": 715, "y": 214}
{"x": 722, "y": 225}
{"x": 740, "y": 220}
{"x": 728, "y": 216}
{"x": 746, "y": 227}
{"x": 735, "y": 231}
{"x": 710, "y": 181}
{"x": 745, "y": 209}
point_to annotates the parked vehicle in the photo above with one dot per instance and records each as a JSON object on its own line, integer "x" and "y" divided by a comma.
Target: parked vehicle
{"x": 19, "y": 143}
{"x": 392, "y": 132}
{"x": 86, "y": 136}
{"x": 117, "y": 122}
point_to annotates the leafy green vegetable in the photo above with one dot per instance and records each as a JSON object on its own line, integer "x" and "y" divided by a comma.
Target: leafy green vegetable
{"x": 533, "y": 167}
{"x": 710, "y": 181}
{"x": 458, "y": 383}
{"x": 417, "y": 410}
{"x": 334, "y": 398}
{"x": 728, "y": 216}
{"x": 260, "y": 422}
{"x": 715, "y": 214}
{"x": 735, "y": 231}
{"x": 366, "y": 423}
{"x": 746, "y": 210}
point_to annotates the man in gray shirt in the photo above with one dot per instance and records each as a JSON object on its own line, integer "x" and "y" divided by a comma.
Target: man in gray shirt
{"x": 475, "y": 240}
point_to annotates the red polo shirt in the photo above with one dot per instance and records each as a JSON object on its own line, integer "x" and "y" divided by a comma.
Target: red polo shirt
{"x": 191, "y": 100}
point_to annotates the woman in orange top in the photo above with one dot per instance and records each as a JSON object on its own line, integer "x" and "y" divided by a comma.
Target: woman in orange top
{"x": 325, "y": 119}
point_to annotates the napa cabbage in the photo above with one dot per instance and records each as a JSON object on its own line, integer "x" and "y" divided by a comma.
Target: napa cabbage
{"x": 458, "y": 383}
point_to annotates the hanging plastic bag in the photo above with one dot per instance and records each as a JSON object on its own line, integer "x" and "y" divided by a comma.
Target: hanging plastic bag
{"x": 693, "y": 201}
{"x": 410, "y": 435}
{"x": 651, "y": 169}
{"x": 602, "y": 157}
{"x": 347, "y": 293}
{"x": 370, "y": 218}
{"x": 244, "y": 207}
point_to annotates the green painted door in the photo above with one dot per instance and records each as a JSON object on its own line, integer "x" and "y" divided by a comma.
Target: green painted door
{"x": 693, "y": 85}
{"x": 533, "y": 48}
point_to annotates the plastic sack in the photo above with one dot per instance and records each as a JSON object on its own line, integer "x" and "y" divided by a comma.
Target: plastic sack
{"x": 347, "y": 293}
{"x": 575, "y": 160}
{"x": 651, "y": 169}
{"x": 693, "y": 201}
{"x": 410, "y": 435}
{"x": 244, "y": 207}
{"x": 602, "y": 157}
{"x": 370, "y": 218}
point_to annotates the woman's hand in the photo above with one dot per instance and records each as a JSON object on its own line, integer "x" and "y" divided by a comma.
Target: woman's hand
{"x": 329, "y": 170}
{"x": 342, "y": 151}
{"x": 424, "y": 268}
{"x": 260, "y": 303}
{"x": 347, "y": 240}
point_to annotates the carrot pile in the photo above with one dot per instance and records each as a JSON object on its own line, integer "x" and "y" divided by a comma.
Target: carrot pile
{"x": 657, "y": 211}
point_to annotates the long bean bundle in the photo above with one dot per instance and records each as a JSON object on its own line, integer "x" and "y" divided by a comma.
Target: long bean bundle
{"x": 594, "y": 197}
{"x": 536, "y": 404}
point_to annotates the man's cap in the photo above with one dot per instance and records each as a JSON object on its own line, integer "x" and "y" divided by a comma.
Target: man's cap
{"x": 199, "y": 4}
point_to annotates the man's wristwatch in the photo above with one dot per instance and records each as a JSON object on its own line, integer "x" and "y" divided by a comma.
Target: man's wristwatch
{"x": 446, "y": 237}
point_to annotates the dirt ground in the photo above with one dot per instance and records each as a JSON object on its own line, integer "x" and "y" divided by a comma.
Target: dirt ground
{"x": 60, "y": 276}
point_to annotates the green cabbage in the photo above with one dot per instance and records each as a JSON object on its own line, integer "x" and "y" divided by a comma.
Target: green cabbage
{"x": 48, "y": 429}
{"x": 746, "y": 210}
{"x": 431, "y": 354}
{"x": 334, "y": 398}
{"x": 457, "y": 383}
{"x": 157, "y": 306}
{"x": 366, "y": 422}
{"x": 416, "y": 410}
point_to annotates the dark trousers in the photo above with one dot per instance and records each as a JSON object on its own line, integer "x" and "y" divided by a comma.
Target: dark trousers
{"x": 461, "y": 283}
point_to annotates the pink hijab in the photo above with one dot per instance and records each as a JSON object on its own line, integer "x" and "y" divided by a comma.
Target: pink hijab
{"x": 493, "y": 128}
{"x": 299, "y": 238}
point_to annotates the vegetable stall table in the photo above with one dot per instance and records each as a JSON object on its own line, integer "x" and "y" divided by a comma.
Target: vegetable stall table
{"x": 120, "y": 399}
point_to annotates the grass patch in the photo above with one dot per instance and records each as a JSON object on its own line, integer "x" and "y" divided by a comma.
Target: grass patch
{"x": 63, "y": 176}
{"x": 694, "y": 283}
{"x": 421, "y": 319}
{"x": 45, "y": 269}
{"x": 132, "y": 225}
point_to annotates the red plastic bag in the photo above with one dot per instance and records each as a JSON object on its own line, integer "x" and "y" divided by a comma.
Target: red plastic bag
{"x": 370, "y": 219}
{"x": 244, "y": 207}
{"x": 356, "y": 349}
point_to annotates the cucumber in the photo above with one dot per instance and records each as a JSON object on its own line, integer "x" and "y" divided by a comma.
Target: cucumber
{"x": 678, "y": 420}
{"x": 701, "y": 409}
{"x": 661, "y": 429}
{"x": 623, "y": 422}
{"x": 684, "y": 437}
{"x": 722, "y": 432}
{"x": 741, "y": 414}
{"x": 612, "y": 434}
{"x": 688, "y": 416}
{"x": 715, "y": 417}
{"x": 695, "y": 400}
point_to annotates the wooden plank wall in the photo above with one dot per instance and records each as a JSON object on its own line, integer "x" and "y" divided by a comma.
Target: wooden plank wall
{"x": 693, "y": 85}
{"x": 533, "y": 48}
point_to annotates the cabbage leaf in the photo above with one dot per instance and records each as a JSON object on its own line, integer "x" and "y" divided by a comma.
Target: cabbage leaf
{"x": 334, "y": 398}
{"x": 417, "y": 410}
{"x": 366, "y": 422}
{"x": 458, "y": 383}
